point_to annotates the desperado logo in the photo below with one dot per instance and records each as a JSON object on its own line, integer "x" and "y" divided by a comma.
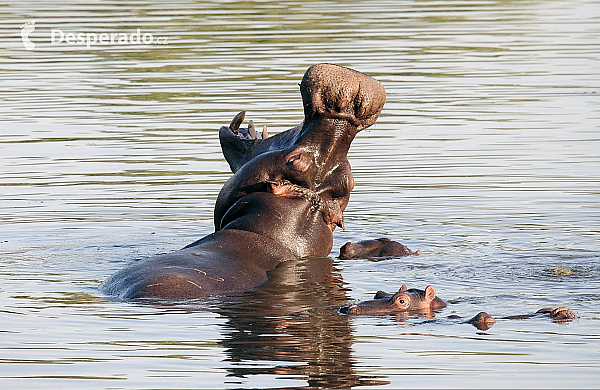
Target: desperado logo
{"x": 89, "y": 39}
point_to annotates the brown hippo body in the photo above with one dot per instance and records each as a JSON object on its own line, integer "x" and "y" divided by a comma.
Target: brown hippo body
{"x": 286, "y": 196}
{"x": 381, "y": 248}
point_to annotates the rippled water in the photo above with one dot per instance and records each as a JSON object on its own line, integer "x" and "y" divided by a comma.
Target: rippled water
{"x": 485, "y": 158}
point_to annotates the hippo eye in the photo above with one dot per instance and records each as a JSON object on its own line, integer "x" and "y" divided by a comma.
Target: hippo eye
{"x": 401, "y": 301}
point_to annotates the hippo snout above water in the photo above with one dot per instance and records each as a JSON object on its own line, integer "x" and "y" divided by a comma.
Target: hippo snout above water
{"x": 560, "y": 315}
{"x": 405, "y": 300}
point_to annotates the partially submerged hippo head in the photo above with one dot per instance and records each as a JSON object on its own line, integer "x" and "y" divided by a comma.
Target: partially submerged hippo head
{"x": 405, "y": 300}
{"x": 295, "y": 185}
{"x": 561, "y": 315}
{"x": 381, "y": 248}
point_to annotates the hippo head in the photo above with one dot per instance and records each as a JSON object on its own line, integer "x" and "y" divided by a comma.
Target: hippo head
{"x": 381, "y": 248}
{"x": 294, "y": 186}
{"x": 405, "y": 300}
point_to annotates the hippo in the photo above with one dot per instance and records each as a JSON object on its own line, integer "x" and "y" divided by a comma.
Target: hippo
{"x": 285, "y": 198}
{"x": 483, "y": 321}
{"x": 405, "y": 300}
{"x": 380, "y": 249}
{"x": 425, "y": 302}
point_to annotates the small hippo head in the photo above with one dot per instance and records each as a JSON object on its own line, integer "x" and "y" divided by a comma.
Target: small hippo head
{"x": 381, "y": 248}
{"x": 405, "y": 300}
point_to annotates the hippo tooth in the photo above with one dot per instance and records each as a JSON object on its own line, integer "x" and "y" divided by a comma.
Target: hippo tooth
{"x": 251, "y": 129}
{"x": 264, "y": 132}
{"x": 340, "y": 223}
{"x": 237, "y": 121}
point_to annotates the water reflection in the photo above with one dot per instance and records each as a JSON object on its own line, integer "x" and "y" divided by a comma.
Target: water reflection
{"x": 291, "y": 322}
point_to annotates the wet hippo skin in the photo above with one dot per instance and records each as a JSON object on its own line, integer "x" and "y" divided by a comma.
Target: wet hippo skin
{"x": 284, "y": 200}
{"x": 426, "y": 302}
{"x": 405, "y": 300}
{"x": 381, "y": 248}
{"x": 562, "y": 314}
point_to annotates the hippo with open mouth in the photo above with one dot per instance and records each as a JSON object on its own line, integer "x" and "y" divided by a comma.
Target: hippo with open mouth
{"x": 287, "y": 194}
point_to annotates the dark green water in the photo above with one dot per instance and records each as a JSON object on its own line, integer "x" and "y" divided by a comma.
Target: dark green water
{"x": 486, "y": 158}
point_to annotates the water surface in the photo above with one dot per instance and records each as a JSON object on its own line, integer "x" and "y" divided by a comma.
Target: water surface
{"x": 485, "y": 158}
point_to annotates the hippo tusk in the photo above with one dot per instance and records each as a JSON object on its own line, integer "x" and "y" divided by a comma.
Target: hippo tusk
{"x": 237, "y": 121}
{"x": 340, "y": 223}
{"x": 251, "y": 129}
{"x": 264, "y": 132}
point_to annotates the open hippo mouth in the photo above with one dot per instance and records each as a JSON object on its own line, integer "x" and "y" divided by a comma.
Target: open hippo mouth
{"x": 307, "y": 162}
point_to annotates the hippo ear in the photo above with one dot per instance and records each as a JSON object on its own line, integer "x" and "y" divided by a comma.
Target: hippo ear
{"x": 429, "y": 293}
{"x": 403, "y": 288}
